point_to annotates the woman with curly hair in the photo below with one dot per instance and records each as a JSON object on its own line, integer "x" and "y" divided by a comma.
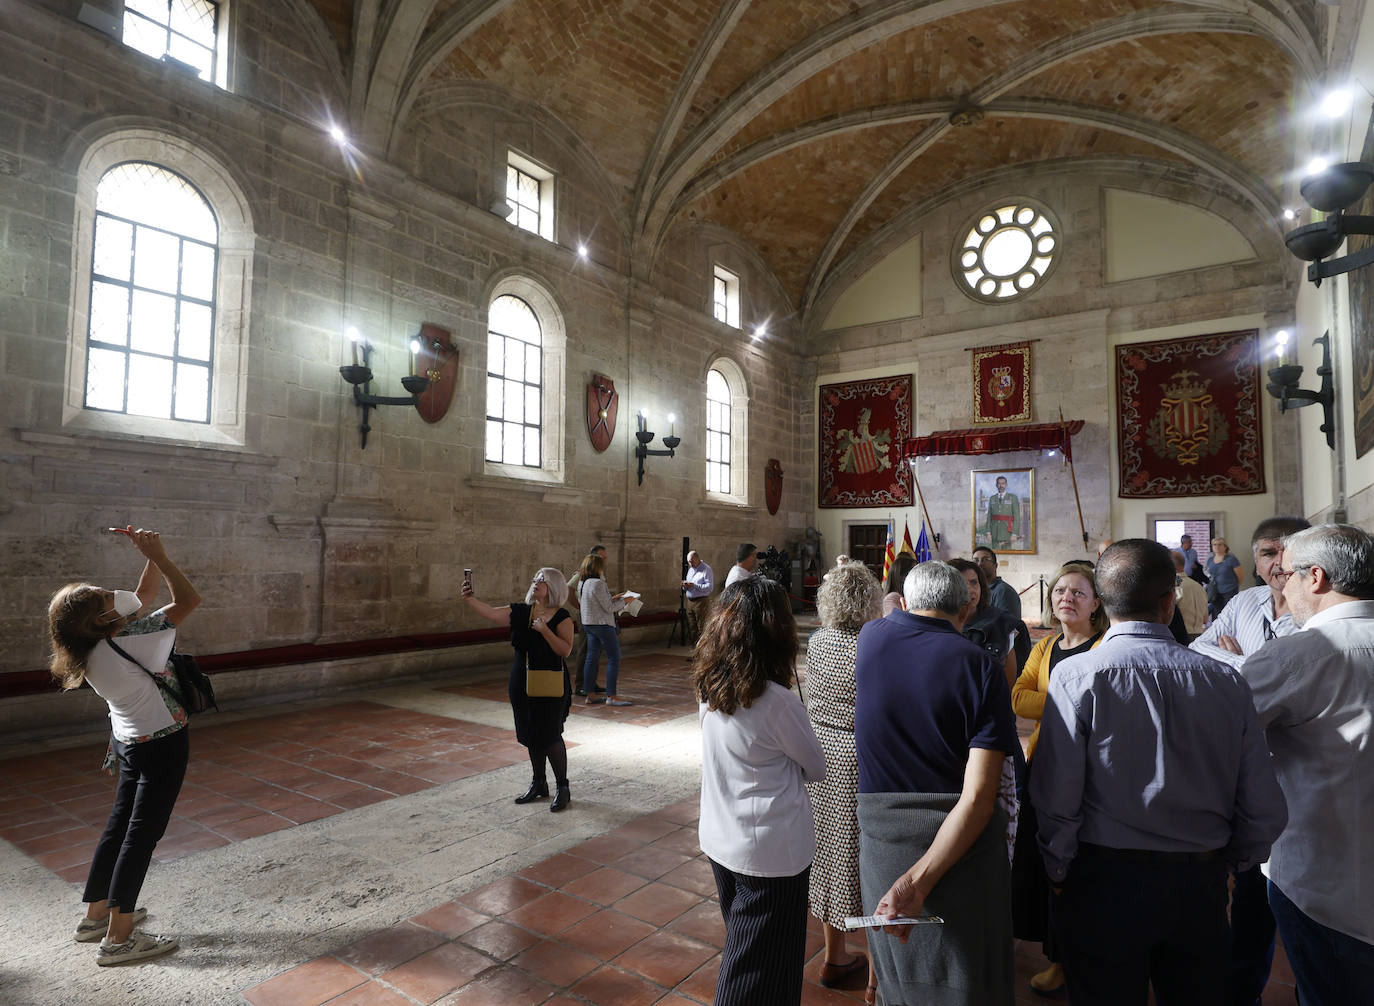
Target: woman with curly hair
{"x": 849, "y": 596}
{"x": 758, "y": 752}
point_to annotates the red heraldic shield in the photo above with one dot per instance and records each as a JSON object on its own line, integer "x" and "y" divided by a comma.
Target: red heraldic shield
{"x": 772, "y": 484}
{"x": 602, "y": 402}
{"x": 437, "y": 360}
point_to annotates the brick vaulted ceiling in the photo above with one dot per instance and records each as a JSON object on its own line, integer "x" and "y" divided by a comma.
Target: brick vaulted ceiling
{"x": 806, "y": 126}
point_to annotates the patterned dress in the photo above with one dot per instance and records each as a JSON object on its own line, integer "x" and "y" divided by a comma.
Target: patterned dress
{"x": 830, "y": 698}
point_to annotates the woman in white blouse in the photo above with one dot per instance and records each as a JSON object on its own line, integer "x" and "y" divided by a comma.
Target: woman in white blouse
{"x": 758, "y": 752}
{"x": 149, "y": 742}
{"x": 599, "y": 608}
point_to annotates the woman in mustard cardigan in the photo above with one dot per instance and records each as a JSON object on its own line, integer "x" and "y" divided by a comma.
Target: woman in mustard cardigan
{"x": 1075, "y": 612}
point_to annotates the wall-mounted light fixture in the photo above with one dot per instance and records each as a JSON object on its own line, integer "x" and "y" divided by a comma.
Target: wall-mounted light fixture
{"x": 1283, "y": 385}
{"x": 645, "y": 437}
{"x": 1333, "y": 189}
{"x": 359, "y": 375}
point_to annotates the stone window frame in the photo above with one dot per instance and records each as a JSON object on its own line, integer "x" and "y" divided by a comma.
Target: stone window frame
{"x": 539, "y": 296}
{"x": 739, "y": 431}
{"x": 219, "y": 75}
{"x": 1039, "y": 277}
{"x": 724, "y": 282}
{"x": 233, "y": 289}
{"x": 515, "y": 161}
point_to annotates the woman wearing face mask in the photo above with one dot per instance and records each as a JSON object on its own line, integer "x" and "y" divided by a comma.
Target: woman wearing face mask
{"x": 89, "y": 626}
{"x": 541, "y": 632}
{"x": 1076, "y": 613}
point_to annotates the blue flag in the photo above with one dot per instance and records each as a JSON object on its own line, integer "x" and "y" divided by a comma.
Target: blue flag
{"x": 922, "y": 545}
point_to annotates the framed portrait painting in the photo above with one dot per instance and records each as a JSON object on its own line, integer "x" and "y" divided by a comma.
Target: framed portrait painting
{"x": 1004, "y": 510}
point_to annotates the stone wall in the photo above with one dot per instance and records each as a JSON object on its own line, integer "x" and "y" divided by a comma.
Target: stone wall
{"x": 297, "y": 534}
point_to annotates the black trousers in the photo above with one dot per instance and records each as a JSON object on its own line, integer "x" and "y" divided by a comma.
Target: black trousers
{"x": 1252, "y": 939}
{"x": 1125, "y": 925}
{"x": 150, "y": 776}
{"x": 765, "y": 938}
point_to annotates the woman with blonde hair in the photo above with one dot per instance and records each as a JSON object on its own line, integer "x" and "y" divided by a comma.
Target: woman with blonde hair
{"x": 148, "y": 743}
{"x": 541, "y": 633}
{"x": 757, "y": 753}
{"x": 1075, "y": 613}
{"x": 849, "y": 597}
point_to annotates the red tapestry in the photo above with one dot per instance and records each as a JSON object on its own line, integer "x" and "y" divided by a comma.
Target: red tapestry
{"x": 1188, "y": 417}
{"x": 1001, "y": 384}
{"x": 863, "y": 427}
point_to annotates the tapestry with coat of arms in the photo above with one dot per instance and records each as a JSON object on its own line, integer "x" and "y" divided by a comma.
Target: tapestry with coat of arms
{"x": 1188, "y": 417}
{"x": 864, "y": 425}
{"x": 1001, "y": 384}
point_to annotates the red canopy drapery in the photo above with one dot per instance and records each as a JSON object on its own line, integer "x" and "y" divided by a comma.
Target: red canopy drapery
{"x": 998, "y": 440}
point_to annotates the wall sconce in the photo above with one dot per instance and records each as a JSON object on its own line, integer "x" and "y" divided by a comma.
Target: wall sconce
{"x": 360, "y": 376}
{"x": 1333, "y": 190}
{"x": 1283, "y": 385}
{"x": 646, "y": 437}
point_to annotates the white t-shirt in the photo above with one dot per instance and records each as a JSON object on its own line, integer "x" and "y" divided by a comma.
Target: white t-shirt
{"x": 137, "y": 708}
{"x": 737, "y": 572}
{"x": 755, "y": 813}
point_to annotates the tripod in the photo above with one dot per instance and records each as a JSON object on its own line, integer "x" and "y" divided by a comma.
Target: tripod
{"x": 680, "y": 631}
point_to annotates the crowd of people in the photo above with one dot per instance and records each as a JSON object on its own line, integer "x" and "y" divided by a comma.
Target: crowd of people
{"x": 1166, "y": 768}
{"x": 1130, "y": 839}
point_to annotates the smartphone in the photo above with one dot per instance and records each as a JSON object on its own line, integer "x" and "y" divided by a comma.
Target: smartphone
{"x": 118, "y": 530}
{"x": 467, "y": 578}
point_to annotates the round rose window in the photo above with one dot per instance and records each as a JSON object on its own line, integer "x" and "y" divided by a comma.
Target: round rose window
{"x": 1007, "y": 252}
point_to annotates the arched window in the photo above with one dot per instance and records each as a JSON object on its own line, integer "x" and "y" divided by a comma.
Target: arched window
{"x": 515, "y": 376}
{"x": 526, "y": 355}
{"x": 162, "y": 271}
{"x": 727, "y": 432}
{"x": 717, "y": 433}
{"x": 151, "y": 331}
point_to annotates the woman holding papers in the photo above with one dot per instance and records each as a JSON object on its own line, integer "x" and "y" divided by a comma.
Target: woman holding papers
{"x": 98, "y": 638}
{"x": 599, "y": 608}
{"x": 758, "y": 752}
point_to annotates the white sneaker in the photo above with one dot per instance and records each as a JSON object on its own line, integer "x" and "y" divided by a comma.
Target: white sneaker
{"x": 140, "y": 947}
{"x": 90, "y": 930}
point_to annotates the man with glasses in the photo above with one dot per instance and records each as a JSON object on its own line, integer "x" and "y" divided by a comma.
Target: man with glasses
{"x": 1314, "y": 692}
{"x": 1003, "y": 595}
{"x": 1252, "y": 618}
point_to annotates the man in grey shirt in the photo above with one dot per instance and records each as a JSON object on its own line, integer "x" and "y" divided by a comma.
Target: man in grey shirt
{"x": 1151, "y": 779}
{"x": 1315, "y": 695}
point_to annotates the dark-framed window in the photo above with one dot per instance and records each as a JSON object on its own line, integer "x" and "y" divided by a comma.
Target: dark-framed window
{"x": 515, "y": 371}
{"x": 186, "y": 30}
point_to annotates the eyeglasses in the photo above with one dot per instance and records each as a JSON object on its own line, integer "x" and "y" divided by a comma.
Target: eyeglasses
{"x": 1298, "y": 568}
{"x": 539, "y": 578}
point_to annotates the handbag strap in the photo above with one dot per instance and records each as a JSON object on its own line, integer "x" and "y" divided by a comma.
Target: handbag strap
{"x": 156, "y": 680}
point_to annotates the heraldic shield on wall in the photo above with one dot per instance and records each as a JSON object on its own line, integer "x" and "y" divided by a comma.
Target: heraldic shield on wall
{"x": 772, "y": 484}
{"x": 1188, "y": 417}
{"x": 603, "y": 402}
{"x": 863, "y": 427}
{"x": 1001, "y": 384}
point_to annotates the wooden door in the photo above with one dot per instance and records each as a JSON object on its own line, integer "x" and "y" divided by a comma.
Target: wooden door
{"x": 867, "y": 543}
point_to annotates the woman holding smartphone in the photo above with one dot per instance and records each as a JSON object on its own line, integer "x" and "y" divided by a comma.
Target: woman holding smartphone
{"x": 98, "y": 638}
{"x": 541, "y": 633}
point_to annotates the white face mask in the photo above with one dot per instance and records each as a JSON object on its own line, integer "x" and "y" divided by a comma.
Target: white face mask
{"x": 126, "y": 603}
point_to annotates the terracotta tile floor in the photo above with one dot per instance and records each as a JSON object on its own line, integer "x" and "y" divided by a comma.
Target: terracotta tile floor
{"x": 250, "y": 778}
{"x": 597, "y": 924}
{"x": 659, "y": 685}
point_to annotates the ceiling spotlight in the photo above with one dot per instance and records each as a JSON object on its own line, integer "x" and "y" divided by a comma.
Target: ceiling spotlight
{"x": 760, "y": 331}
{"x": 1317, "y": 165}
{"x": 581, "y": 251}
{"x": 1288, "y": 214}
{"x": 338, "y": 135}
{"x": 1336, "y": 103}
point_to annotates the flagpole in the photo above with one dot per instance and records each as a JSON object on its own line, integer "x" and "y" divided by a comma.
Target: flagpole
{"x": 1068, "y": 456}
{"x": 921, "y": 496}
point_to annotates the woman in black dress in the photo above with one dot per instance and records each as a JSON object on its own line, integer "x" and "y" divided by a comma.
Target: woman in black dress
{"x": 541, "y": 633}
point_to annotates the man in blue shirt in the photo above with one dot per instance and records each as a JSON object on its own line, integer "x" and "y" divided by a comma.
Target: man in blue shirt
{"x": 1152, "y": 778}
{"x": 1185, "y": 545}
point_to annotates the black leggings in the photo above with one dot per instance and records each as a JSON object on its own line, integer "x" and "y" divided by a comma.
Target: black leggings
{"x": 557, "y": 756}
{"x": 150, "y": 776}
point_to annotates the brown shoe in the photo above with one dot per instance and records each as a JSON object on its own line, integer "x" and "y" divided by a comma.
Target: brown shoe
{"x": 832, "y": 975}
